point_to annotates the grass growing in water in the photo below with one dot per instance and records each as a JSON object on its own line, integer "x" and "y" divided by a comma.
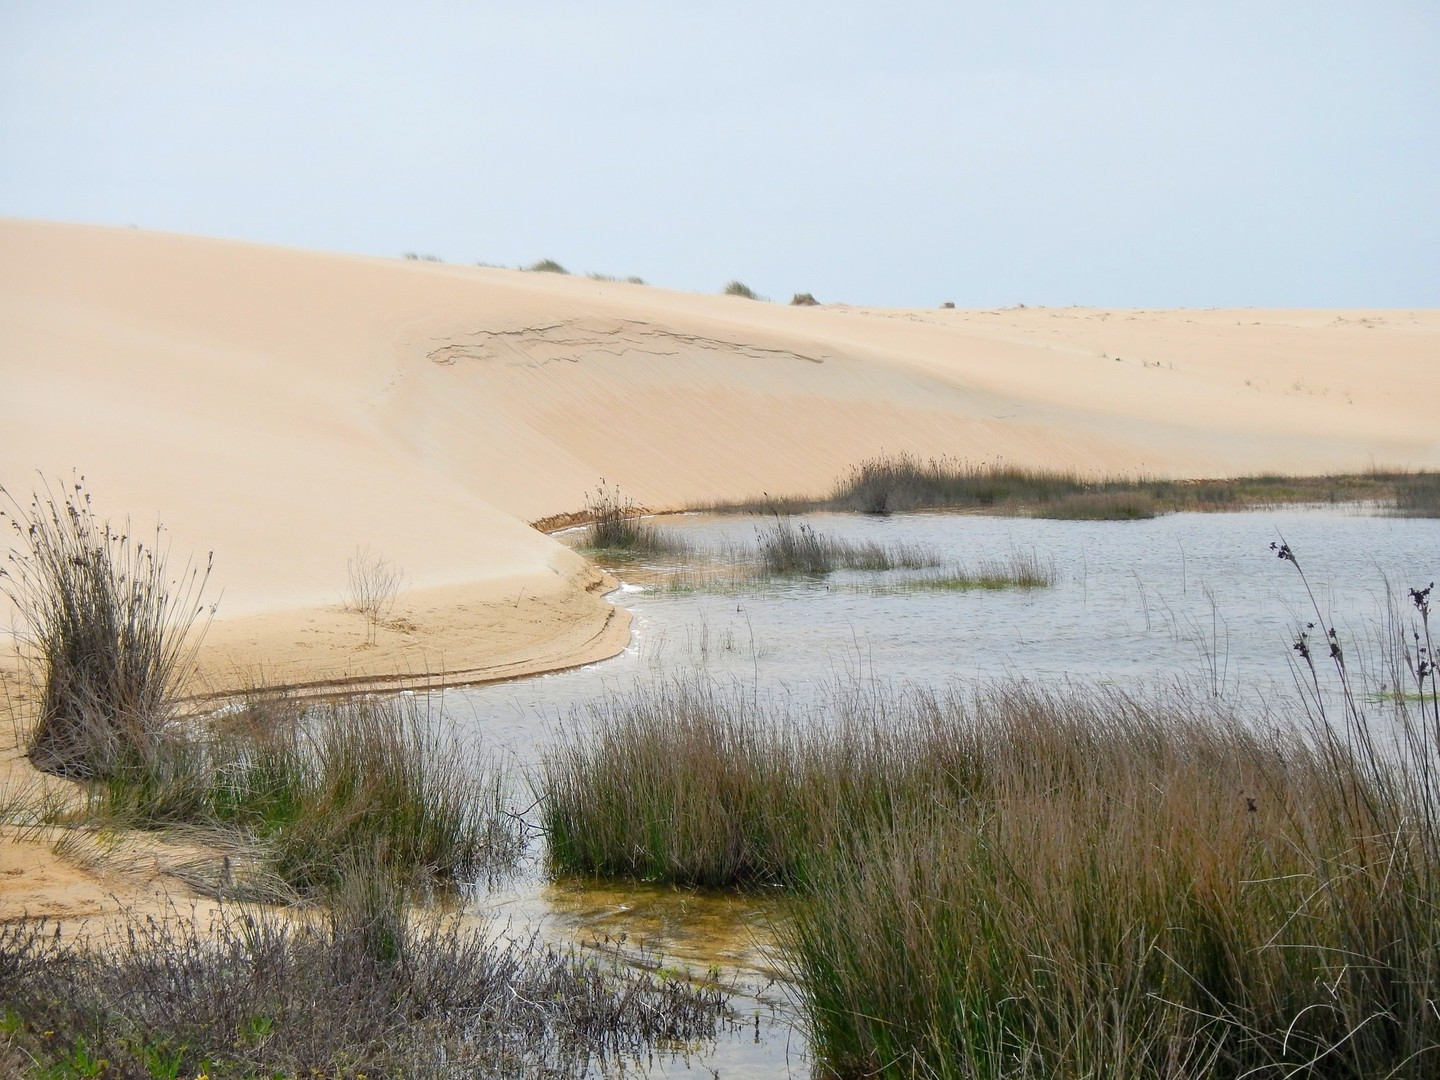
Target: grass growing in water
{"x": 1020, "y": 570}
{"x": 788, "y": 547}
{"x": 617, "y": 526}
{"x": 900, "y": 482}
{"x": 1418, "y": 495}
{"x": 1051, "y": 882}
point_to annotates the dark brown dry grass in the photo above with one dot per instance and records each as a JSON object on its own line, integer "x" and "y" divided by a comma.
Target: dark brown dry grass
{"x": 363, "y": 991}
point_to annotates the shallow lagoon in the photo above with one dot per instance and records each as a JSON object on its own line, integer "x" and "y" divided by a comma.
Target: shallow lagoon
{"x": 1199, "y": 598}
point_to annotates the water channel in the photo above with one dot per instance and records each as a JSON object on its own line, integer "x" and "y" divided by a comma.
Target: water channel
{"x": 1199, "y": 598}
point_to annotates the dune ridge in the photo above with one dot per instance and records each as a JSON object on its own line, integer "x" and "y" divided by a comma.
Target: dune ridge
{"x": 282, "y": 407}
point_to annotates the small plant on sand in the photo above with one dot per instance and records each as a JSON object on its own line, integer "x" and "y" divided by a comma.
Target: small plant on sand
{"x": 803, "y": 299}
{"x": 739, "y": 288}
{"x": 106, "y": 631}
{"x": 373, "y": 587}
{"x": 547, "y": 266}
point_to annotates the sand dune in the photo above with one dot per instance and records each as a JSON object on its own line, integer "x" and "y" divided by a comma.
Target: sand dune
{"x": 281, "y": 407}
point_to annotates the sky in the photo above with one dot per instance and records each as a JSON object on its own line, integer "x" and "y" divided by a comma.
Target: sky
{"x": 1268, "y": 154}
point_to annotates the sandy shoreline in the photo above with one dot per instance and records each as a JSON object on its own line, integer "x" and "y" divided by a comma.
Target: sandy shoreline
{"x": 282, "y": 408}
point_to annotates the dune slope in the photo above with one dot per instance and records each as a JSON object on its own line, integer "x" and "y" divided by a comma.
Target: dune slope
{"x": 282, "y": 408}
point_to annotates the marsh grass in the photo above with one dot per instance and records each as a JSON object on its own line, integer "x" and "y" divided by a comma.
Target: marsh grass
{"x": 892, "y": 483}
{"x": 1019, "y": 570}
{"x": 1418, "y": 495}
{"x": 105, "y": 630}
{"x": 1135, "y": 895}
{"x": 1102, "y": 506}
{"x": 901, "y": 482}
{"x": 1048, "y": 881}
{"x": 305, "y": 790}
{"x": 363, "y": 990}
{"x": 617, "y": 527}
{"x": 788, "y": 547}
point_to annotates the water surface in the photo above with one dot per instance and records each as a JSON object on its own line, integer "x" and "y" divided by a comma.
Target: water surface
{"x": 1200, "y": 598}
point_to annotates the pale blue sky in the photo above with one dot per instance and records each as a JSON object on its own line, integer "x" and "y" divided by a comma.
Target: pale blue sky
{"x": 1144, "y": 154}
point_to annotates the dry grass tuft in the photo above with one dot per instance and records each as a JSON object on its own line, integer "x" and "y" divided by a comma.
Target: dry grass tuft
{"x": 104, "y": 629}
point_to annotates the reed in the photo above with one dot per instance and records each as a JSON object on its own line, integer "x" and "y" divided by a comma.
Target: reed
{"x": 789, "y": 547}
{"x": 1047, "y": 881}
{"x": 1018, "y": 570}
{"x": 105, "y": 630}
{"x": 899, "y": 482}
{"x": 617, "y": 526}
{"x": 1135, "y": 895}
{"x": 1102, "y": 506}
{"x": 1418, "y": 495}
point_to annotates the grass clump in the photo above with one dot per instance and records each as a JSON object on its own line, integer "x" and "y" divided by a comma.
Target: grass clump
{"x": 901, "y": 482}
{"x": 739, "y": 288}
{"x": 1041, "y": 882}
{"x": 547, "y": 266}
{"x": 788, "y": 547}
{"x": 1418, "y": 495}
{"x": 1019, "y": 570}
{"x": 617, "y": 526}
{"x": 105, "y": 631}
{"x": 630, "y": 280}
{"x": 364, "y": 990}
{"x": 303, "y": 791}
